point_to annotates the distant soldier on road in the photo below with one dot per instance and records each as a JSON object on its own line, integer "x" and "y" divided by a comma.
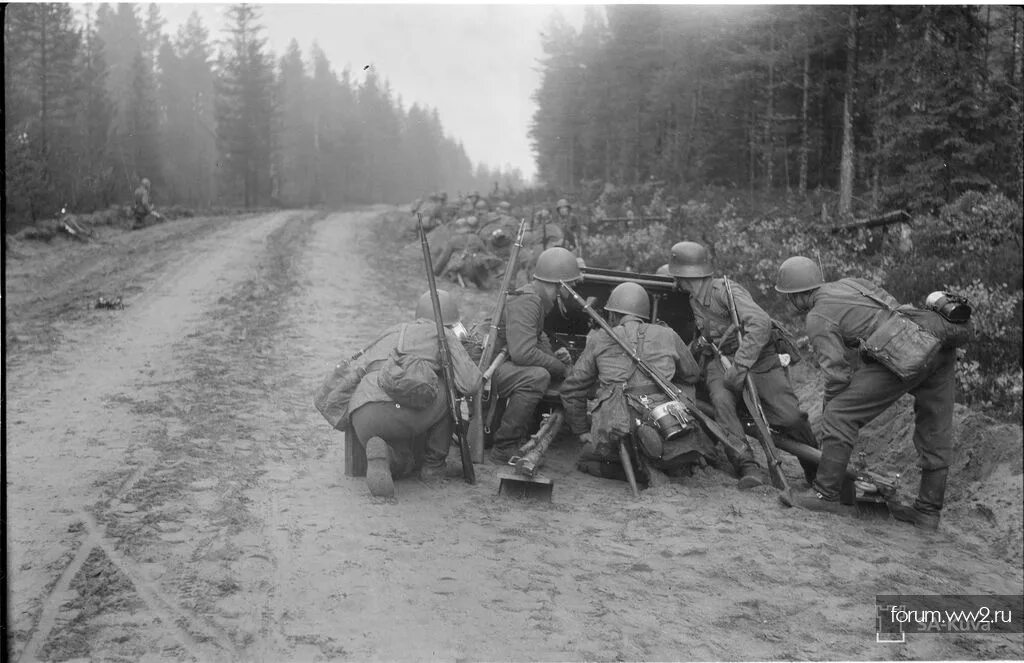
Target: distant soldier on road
{"x": 840, "y": 314}
{"x": 142, "y": 207}
{"x": 690, "y": 264}
{"x": 401, "y": 441}
{"x": 532, "y": 364}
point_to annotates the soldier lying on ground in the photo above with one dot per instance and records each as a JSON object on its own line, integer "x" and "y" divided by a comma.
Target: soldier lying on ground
{"x": 625, "y": 395}
{"x": 839, "y": 315}
{"x": 465, "y": 255}
{"x": 690, "y": 264}
{"x": 402, "y": 440}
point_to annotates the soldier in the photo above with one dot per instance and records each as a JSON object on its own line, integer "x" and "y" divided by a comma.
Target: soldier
{"x": 623, "y": 392}
{"x": 400, "y": 441}
{"x": 839, "y": 314}
{"x": 466, "y": 255}
{"x": 568, "y": 222}
{"x": 142, "y": 207}
{"x": 532, "y": 363}
{"x": 690, "y": 264}
{"x": 545, "y": 233}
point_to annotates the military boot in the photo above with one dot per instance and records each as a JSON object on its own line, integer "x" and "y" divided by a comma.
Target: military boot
{"x": 750, "y": 473}
{"x": 512, "y": 433}
{"x": 928, "y": 505}
{"x": 828, "y": 485}
{"x": 378, "y": 468}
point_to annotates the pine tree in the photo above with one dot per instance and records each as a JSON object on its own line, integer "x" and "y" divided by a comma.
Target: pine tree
{"x": 245, "y": 110}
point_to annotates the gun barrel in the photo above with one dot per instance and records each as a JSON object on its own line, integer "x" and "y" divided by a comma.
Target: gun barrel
{"x": 468, "y": 473}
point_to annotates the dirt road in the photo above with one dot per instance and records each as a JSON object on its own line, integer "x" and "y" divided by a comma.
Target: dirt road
{"x": 173, "y": 495}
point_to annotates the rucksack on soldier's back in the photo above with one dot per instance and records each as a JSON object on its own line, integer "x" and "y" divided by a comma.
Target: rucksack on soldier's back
{"x": 409, "y": 380}
{"x": 335, "y": 392}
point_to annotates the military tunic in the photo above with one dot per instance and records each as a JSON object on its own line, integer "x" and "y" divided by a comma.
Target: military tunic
{"x": 412, "y": 434}
{"x": 531, "y": 364}
{"x": 756, "y": 353}
{"x": 839, "y": 316}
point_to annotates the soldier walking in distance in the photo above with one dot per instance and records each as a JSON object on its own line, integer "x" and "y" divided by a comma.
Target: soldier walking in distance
{"x": 399, "y": 441}
{"x": 532, "y": 364}
{"x": 142, "y": 206}
{"x": 690, "y": 264}
{"x": 839, "y": 314}
{"x": 622, "y": 389}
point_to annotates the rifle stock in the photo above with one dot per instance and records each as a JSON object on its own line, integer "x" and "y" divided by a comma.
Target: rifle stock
{"x": 722, "y": 435}
{"x": 753, "y": 402}
{"x": 468, "y": 473}
{"x": 476, "y": 421}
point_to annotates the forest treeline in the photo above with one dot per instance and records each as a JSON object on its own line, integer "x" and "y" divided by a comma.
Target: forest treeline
{"x": 98, "y": 101}
{"x": 893, "y": 105}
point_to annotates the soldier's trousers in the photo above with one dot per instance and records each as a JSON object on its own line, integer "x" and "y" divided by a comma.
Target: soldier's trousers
{"x": 524, "y": 387}
{"x": 779, "y": 402}
{"x": 873, "y": 388}
{"x": 412, "y": 435}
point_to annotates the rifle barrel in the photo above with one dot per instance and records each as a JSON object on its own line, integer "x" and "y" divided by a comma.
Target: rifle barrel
{"x": 468, "y": 473}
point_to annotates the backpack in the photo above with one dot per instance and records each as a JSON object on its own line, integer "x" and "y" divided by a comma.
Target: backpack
{"x": 335, "y": 392}
{"x": 407, "y": 379}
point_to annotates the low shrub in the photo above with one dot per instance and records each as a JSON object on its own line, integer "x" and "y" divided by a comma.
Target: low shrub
{"x": 973, "y": 247}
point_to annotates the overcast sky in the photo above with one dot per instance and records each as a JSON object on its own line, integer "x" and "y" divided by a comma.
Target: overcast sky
{"x": 477, "y": 64}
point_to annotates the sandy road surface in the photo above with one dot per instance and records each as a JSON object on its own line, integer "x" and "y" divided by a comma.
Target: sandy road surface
{"x": 172, "y": 494}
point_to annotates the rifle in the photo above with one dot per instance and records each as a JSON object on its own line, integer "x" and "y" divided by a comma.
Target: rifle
{"x": 753, "y": 402}
{"x": 446, "y": 360}
{"x": 727, "y": 438}
{"x": 476, "y": 420}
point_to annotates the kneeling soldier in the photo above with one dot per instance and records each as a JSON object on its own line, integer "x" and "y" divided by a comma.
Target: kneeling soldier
{"x": 625, "y": 394}
{"x": 401, "y": 440}
{"x": 532, "y": 363}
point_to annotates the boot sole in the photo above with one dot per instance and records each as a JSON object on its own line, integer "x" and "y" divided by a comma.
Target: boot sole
{"x": 378, "y": 469}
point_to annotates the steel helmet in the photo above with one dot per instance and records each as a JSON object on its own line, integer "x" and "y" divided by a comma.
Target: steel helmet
{"x": 480, "y": 204}
{"x": 798, "y": 274}
{"x": 629, "y": 298}
{"x": 449, "y": 309}
{"x": 472, "y": 220}
{"x": 145, "y": 182}
{"x": 663, "y": 270}
{"x": 689, "y": 260}
{"x": 504, "y": 205}
{"x": 563, "y": 203}
{"x": 557, "y": 264}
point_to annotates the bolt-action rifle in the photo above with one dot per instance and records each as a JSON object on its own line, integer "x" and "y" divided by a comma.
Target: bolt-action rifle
{"x": 753, "y": 402}
{"x": 724, "y": 436}
{"x": 476, "y": 421}
{"x": 468, "y": 473}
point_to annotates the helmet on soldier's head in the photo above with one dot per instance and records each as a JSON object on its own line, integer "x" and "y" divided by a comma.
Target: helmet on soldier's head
{"x": 557, "y": 264}
{"x": 500, "y": 238}
{"x": 472, "y": 220}
{"x": 449, "y": 309}
{"x": 798, "y": 274}
{"x": 480, "y": 204}
{"x": 504, "y": 206}
{"x": 145, "y": 182}
{"x": 629, "y": 298}
{"x": 663, "y": 270}
{"x": 689, "y": 260}
{"x": 563, "y": 203}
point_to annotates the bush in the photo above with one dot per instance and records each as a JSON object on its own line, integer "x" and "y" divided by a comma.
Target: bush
{"x": 973, "y": 247}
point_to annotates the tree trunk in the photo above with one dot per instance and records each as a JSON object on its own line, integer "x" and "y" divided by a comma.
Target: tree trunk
{"x": 846, "y": 162}
{"x": 769, "y": 117}
{"x": 804, "y": 131}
